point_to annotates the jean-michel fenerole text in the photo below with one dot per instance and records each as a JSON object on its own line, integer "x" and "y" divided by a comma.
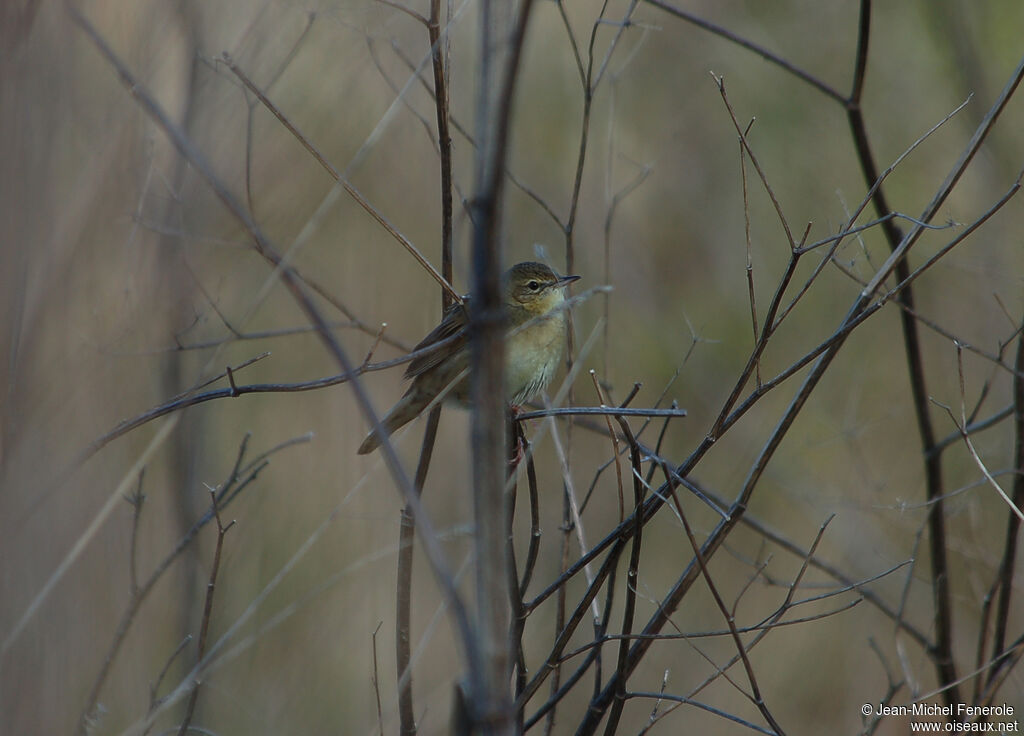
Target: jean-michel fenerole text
{"x": 934, "y": 709}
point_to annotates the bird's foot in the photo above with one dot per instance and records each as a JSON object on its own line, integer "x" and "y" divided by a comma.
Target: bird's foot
{"x": 518, "y": 453}
{"x": 518, "y": 449}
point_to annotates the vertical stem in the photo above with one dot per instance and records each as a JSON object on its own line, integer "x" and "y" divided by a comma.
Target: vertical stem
{"x": 403, "y": 604}
{"x": 403, "y": 628}
{"x": 517, "y": 445}
{"x": 489, "y": 699}
{"x": 501, "y": 45}
{"x": 631, "y": 578}
{"x": 204, "y": 630}
{"x": 444, "y": 142}
{"x": 560, "y": 604}
{"x": 1005, "y": 581}
{"x": 407, "y": 525}
{"x": 943, "y": 653}
{"x": 407, "y": 529}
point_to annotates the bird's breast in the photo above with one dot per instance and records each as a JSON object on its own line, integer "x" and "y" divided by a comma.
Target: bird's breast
{"x": 531, "y": 357}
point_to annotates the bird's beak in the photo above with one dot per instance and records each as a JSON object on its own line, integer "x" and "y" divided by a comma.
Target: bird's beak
{"x": 566, "y": 280}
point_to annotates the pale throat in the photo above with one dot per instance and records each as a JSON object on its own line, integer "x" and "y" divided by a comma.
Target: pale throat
{"x": 533, "y": 352}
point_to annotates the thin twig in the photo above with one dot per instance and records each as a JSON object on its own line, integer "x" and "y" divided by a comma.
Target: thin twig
{"x": 1004, "y": 579}
{"x": 612, "y": 411}
{"x": 376, "y": 680}
{"x": 204, "y": 628}
{"x": 631, "y": 580}
{"x": 751, "y": 46}
{"x": 403, "y": 603}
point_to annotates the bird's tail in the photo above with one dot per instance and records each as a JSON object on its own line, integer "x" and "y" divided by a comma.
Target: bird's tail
{"x": 407, "y": 409}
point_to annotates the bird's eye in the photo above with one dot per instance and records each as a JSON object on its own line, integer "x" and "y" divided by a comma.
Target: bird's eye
{"x": 533, "y": 285}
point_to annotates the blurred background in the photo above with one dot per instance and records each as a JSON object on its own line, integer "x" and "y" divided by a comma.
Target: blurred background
{"x": 124, "y": 282}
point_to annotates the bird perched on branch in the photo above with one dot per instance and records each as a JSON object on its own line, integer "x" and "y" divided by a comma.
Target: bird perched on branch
{"x": 535, "y": 319}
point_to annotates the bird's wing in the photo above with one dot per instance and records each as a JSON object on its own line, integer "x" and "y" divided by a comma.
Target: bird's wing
{"x": 453, "y": 324}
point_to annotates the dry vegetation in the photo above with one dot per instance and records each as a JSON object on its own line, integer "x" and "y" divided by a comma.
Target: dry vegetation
{"x": 805, "y": 215}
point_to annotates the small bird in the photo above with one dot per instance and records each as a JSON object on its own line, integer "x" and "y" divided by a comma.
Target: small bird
{"x": 536, "y": 330}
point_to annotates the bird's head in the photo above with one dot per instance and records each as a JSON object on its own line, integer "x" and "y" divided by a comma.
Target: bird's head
{"x": 535, "y": 287}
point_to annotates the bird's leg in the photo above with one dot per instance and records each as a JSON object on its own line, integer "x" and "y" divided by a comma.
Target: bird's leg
{"x": 517, "y": 448}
